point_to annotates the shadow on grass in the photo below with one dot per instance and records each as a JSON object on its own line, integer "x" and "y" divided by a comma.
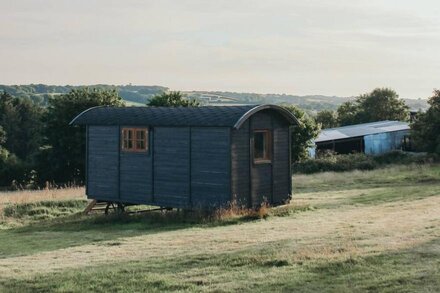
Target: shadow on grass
{"x": 79, "y": 229}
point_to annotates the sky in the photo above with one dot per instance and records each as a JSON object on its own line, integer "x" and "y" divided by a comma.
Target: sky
{"x": 338, "y": 47}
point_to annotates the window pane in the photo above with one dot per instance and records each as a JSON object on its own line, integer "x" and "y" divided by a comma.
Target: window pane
{"x": 259, "y": 145}
{"x": 262, "y": 145}
{"x": 139, "y": 134}
{"x": 134, "y": 139}
{"x": 140, "y": 145}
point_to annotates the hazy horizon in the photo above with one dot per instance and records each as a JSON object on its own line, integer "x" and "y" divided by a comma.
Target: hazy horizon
{"x": 338, "y": 48}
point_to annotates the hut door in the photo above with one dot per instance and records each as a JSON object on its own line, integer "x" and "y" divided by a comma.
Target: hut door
{"x": 171, "y": 166}
{"x": 261, "y": 155}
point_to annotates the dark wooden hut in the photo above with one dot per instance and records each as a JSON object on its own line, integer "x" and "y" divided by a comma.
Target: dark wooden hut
{"x": 196, "y": 157}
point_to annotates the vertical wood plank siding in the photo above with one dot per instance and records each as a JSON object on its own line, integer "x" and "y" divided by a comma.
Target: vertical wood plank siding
{"x": 262, "y": 186}
{"x": 103, "y": 162}
{"x": 190, "y": 166}
{"x": 171, "y": 166}
{"x": 281, "y": 181}
{"x": 136, "y": 177}
{"x": 210, "y": 166}
{"x": 240, "y": 165}
{"x": 261, "y": 174}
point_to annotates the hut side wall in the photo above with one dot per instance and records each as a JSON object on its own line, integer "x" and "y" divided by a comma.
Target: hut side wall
{"x": 184, "y": 167}
{"x": 102, "y": 162}
{"x": 136, "y": 175}
{"x": 240, "y": 165}
{"x": 171, "y": 150}
{"x": 210, "y": 166}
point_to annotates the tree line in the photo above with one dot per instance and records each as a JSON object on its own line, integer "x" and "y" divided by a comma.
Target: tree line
{"x": 384, "y": 104}
{"x": 378, "y": 105}
{"x": 38, "y": 147}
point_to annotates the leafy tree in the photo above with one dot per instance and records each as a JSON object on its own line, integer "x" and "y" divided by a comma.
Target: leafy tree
{"x": 327, "y": 119}
{"x": 2, "y": 136}
{"x": 426, "y": 128}
{"x": 21, "y": 119}
{"x": 348, "y": 113}
{"x": 62, "y": 159}
{"x": 172, "y": 99}
{"x": 11, "y": 169}
{"x": 380, "y": 104}
{"x": 302, "y": 134}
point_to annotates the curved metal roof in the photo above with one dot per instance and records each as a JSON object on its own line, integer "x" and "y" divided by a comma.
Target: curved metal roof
{"x": 232, "y": 116}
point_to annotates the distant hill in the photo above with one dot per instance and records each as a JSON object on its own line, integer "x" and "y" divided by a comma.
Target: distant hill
{"x": 40, "y": 93}
{"x": 137, "y": 95}
{"x": 310, "y": 102}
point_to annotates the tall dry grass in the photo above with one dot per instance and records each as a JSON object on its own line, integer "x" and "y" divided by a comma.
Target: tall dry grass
{"x": 27, "y": 196}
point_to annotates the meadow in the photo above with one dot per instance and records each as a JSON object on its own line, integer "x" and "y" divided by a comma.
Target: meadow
{"x": 363, "y": 231}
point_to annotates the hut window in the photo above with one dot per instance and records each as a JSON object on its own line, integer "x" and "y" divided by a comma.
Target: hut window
{"x": 262, "y": 146}
{"x": 134, "y": 139}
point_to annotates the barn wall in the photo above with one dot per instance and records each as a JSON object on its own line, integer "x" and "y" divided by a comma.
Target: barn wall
{"x": 136, "y": 175}
{"x": 240, "y": 166}
{"x": 384, "y": 142}
{"x": 102, "y": 163}
{"x": 210, "y": 166}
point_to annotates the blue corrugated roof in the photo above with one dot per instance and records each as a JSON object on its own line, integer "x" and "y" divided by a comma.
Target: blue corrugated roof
{"x": 361, "y": 130}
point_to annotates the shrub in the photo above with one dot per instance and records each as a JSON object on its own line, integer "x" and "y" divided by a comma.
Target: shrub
{"x": 359, "y": 161}
{"x": 337, "y": 163}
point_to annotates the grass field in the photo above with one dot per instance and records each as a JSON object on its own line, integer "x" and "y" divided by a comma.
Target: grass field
{"x": 343, "y": 232}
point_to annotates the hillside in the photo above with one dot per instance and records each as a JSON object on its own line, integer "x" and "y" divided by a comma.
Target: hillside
{"x": 138, "y": 95}
{"x": 40, "y": 93}
{"x": 343, "y": 232}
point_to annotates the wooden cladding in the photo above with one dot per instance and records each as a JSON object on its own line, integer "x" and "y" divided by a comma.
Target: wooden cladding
{"x": 134, "y": 139}
{"x": 262, "y": 146}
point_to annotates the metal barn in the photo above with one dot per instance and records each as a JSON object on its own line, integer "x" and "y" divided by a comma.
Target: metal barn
{"x": 195, "y": 157}
{"x": 370, "y": 138}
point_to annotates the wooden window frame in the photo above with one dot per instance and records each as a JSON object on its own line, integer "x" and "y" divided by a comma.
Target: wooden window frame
{"x": 134, "y": 140}
{"x": 267, "y": 159}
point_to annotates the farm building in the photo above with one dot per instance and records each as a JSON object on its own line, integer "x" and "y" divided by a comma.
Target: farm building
{"x": 370, "y": 138}
{"x": 195, "y": 157}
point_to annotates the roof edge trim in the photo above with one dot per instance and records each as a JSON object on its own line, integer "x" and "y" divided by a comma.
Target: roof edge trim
{"x": 83, "y": 112}
{"x": 285, "y": 113}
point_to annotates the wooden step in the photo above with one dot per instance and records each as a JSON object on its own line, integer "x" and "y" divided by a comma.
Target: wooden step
{"x": 90, "y": 206}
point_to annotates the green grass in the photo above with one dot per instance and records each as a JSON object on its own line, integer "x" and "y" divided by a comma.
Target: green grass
{"x": 396, "y": 176}
{"x": 259, "y": 269}
{"x": 370, "y": 231}
{"x": 48, "y": 230}
{"x": 44, "y": 210}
